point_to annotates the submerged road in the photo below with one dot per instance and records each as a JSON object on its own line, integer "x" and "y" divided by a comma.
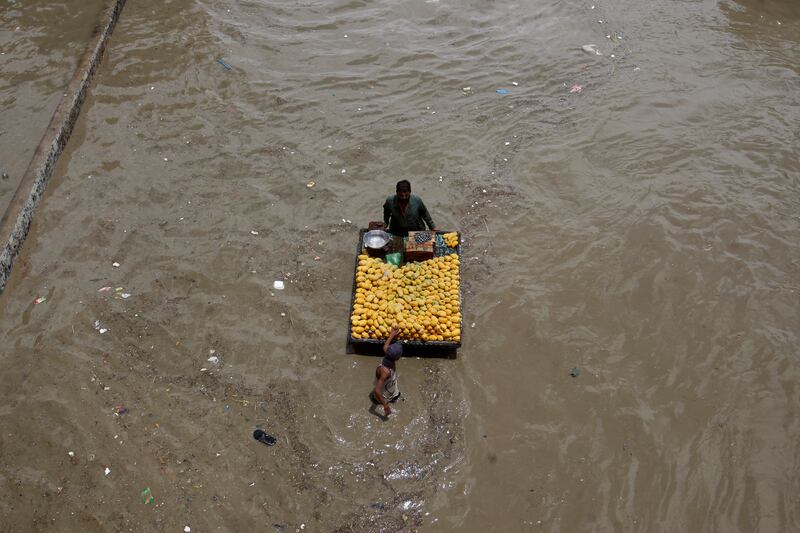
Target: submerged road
{"x": 633, "y": 215}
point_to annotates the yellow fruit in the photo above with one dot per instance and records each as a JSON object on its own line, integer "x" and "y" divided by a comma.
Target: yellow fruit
{"x": 421, "y": 298}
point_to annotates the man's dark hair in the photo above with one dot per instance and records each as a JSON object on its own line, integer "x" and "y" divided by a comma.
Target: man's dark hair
{"x": 403, "y": 186}
{"x": 394, "y": 352}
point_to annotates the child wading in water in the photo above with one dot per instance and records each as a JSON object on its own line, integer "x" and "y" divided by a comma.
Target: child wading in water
{"x": 385, "y": 390}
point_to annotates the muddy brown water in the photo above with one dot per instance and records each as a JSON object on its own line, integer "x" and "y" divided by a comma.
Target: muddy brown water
{"x": 40, "y": 44}
{"x": 644, "y": 230}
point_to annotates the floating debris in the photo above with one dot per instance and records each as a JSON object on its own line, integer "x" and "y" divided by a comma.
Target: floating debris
{"x": 262, "y": 437}
{"x": 591, "y": 49}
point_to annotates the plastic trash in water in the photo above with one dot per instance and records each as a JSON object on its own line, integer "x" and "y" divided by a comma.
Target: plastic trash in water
{"x": 261, "y": 436}
{"x": 575, "y": 89}
{"x": 277, "y": 285}
{"x": 39, "y": 300}
{"x": 224, "y": 64}
{"x": 107, "y": 471}
{"x": 147, "y": 496}
{"x": 591, "y": 49}
{"x": 575, "y": 372}
{"x": 502, "y": 91}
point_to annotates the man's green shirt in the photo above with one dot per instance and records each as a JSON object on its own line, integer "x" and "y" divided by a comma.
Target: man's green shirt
{"x": 414, "y": 219}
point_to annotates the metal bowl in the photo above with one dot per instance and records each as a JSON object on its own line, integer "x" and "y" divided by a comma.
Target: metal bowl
{"x": 376, "y": 239}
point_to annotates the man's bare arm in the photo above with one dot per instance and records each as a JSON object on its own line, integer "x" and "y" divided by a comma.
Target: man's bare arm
{"x": 392, "y": 334}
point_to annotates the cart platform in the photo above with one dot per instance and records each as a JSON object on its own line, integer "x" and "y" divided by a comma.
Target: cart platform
{"x": 415, "y": 345}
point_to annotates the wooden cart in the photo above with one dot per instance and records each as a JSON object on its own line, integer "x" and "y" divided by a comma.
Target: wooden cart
{"x": 451, "y": 346}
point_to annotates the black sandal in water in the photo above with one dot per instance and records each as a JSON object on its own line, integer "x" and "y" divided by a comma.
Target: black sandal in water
{"x": 261, "y": 436}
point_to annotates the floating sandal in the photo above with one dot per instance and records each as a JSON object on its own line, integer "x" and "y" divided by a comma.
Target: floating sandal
{"x": 261, "y": 436}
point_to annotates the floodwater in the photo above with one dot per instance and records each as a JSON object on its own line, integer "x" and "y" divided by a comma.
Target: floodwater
{"x": 634, "y": 215}
{"x": 40, "y": 44}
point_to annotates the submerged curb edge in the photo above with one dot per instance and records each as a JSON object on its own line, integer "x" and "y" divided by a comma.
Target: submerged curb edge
{"x": 16, "y": 221}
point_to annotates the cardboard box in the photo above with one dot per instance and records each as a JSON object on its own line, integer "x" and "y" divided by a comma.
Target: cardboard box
{"x": 419, "y": 251}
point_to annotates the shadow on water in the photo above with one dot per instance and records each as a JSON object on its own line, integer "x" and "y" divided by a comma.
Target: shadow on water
{"x": 409, "y": 350}
{"x": 749, "y": 19}
{"x": 786, "y": 9}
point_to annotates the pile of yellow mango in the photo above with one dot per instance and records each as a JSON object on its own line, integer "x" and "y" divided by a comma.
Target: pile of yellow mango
{"x": 421, "y": 299}
{"x": 450, "y": 239}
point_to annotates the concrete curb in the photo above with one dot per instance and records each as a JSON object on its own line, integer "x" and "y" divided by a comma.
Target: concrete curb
{"x": 17, "y": 219}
